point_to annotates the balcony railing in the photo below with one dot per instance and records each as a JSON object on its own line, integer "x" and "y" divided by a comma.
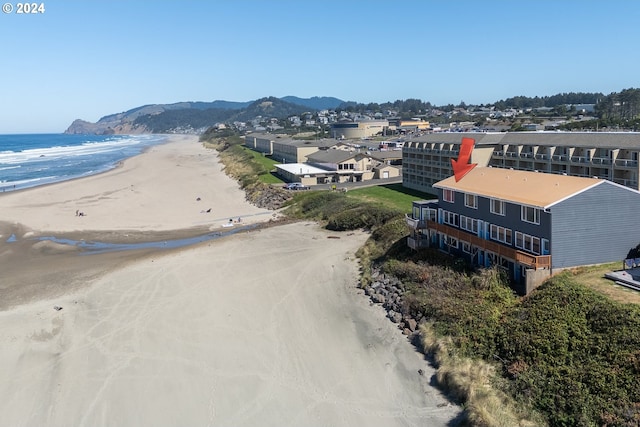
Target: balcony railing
{"x": 415, "y": 224}
{"x": 632, "y": 183}
{"x": 533, "y": 261}
{"x": 626, "y": 162}
{"x": 600, "y": 161}
{"x": 579, "y": 159}
{"x": 417, "y": 241}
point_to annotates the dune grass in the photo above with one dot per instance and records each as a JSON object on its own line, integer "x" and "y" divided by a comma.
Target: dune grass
{"x": 471, "y": 381}
{"x": 267, "y": 165}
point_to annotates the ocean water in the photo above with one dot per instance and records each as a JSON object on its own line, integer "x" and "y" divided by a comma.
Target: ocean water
{"x": 38, "y": 159}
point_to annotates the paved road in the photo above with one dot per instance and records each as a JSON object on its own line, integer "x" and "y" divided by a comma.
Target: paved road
{"x": 362, "y": 184}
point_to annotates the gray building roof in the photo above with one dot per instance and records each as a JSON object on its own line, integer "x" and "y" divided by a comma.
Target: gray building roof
{"x": 331, "y": 156}
{"x": 321, "y": 143}
{"x": 614, "y": 140}
{"x": 386, "y": 155}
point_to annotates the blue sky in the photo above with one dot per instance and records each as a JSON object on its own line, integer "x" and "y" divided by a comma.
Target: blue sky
{"x": 87, "y": 59}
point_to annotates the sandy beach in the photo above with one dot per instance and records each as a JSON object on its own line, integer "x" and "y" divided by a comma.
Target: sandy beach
{"x": 265, "y": 327}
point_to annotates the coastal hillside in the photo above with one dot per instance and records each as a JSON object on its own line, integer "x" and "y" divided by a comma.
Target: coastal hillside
{"x": 189, "y": 116}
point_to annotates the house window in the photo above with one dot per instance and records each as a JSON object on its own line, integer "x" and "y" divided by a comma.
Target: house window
{"x": 528, "y": 243}
{"x": 498, "y": 207}
{"x": 450, "y": 218}
{"x": 452, "y": 242}
{"x": 530, "y": 214}
{"x": 501, "y": 234}
{"x": 535, "y": 245}
{"x": 471, "y": 201}
{"x": 491, "y": 258}
{"x": 466, "y": 247}
{"x": 469, "y": 224}
{"x": 448, "y": 195}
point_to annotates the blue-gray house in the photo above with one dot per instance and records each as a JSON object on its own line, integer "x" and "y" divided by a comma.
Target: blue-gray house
{"x": 531, "y": 224}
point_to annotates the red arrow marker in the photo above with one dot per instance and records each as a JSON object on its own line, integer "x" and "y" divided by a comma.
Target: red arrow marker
{"x": 461, "y": 166}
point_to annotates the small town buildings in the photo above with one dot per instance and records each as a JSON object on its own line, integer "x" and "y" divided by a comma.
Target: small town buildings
{"x": 324, "y": 161}
{"x": 530, "y": 224}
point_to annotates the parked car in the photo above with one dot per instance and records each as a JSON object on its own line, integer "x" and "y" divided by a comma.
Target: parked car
{"x": 296, "y": 186}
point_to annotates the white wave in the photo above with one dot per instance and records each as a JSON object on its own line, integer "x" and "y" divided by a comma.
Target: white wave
{"x": 34, "y": 181}
{"x": 88, "y": 148}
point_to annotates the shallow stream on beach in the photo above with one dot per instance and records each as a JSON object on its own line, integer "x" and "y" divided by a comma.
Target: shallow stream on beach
{"x": 95, "y": 247}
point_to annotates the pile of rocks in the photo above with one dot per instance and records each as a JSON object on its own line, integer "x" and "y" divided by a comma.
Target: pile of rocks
{"x": 388, "y": 291}
{"x": 267, "y": 197}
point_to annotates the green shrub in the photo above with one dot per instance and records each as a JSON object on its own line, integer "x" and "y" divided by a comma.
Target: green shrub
{"x": 365, "y": 216}
{"x": 319, "y": 205}
{"x": 574, "y": 355}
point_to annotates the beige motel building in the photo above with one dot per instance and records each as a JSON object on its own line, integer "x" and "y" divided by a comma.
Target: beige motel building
{"x": 604, "y": 155}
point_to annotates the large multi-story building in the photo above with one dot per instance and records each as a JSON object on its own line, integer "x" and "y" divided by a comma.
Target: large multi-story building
{"x": 347, "y": 129}
{"x": 531, "y": 224}
{"x": 605, "y": 155}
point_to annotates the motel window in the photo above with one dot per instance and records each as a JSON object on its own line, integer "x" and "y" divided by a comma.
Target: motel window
{"x": 471, "y": 201}
{"x": 448, "y": 195}
{"x": 519, "y": 240}
{"x": 416, "y": 212}
{"x": 535, "y": 248}
{"x": 469, "y": 224}
{"x": 530, "y": 214}
{"x": 491, "y": 258}
{"x": 450, "y": 218}
{"x": 452, "y": 242}
{"x": 528, "y": 243}
{"x": 498, "y": 207}
{"x": 501, "y": 234}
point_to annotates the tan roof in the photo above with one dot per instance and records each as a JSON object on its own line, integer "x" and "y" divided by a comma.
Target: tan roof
{"x": 523, "y": 187}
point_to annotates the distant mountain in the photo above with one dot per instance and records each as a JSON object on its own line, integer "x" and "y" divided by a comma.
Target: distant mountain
{"x": 159, "y": 118}
{"x": 270, "y": 107}
{"x": 170, "y": 120}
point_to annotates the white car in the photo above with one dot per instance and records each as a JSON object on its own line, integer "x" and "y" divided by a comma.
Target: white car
{"x": 296, "y": 186}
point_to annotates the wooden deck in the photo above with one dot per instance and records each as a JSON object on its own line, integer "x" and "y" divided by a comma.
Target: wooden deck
{"x": 532, "y": 261}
